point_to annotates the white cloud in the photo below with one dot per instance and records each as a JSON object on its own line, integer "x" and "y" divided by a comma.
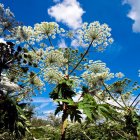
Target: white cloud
{"x": 40, "y": 107}
{"x": 43, "y": 117}
{"x": 134, "y": 13}
{"x": 41, "y": 100}
{"x": 68, "y": 12}
{"x": 62, "y": 44}
{"x": 75, "y": 43}
{"x": 48, "y": 111}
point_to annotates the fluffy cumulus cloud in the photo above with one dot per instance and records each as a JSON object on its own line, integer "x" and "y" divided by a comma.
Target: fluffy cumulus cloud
{"x": 68, "y": 12}
{"x": 134, "y": 13}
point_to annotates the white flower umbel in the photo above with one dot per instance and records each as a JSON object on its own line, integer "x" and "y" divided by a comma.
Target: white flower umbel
{"x": 96, "y": 32}
{"x": 46, "y": 29}
{"x": 55, "y": 58}
{"x": 23, "y": 33}
{"x": 7, "y": 20}
{"x": 53, "y": 75}
{"x": 119, "y": 75}
{"x": 96, "y": 71}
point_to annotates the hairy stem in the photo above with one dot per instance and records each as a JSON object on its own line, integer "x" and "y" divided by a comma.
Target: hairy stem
{"x": 136, "y": 103}
{"x": 64, "y": 121}
{"x": 111, "y": 95}
{"x": 33, "y": 76}
{"x": 135, "y": 99}
{"x": 123, "y": 100}
{"x": 81, "y": 58}
{"x": 50, "y": 40}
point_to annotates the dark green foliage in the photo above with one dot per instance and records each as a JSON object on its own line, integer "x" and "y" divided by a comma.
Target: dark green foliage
{"x": 63, "y": 90}
{"x": 75, "y": 132}
{"x": 94, "y": 111}
{"x": 132, "y": 124}
{"x": 14, "y": 117}
{"x": 64, "y": 93}
{"x": 44, "y": 133}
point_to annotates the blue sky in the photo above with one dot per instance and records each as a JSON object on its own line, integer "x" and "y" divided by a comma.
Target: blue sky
{"x": 123, "y": 16}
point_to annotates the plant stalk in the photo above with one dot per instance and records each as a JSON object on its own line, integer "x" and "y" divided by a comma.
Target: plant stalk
{"x": 81, "y": 58}
{"x": 64, "y": 122}
{"x": 111, "y": 95}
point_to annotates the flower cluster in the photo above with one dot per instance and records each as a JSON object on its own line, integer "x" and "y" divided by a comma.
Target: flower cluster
{"x": 98, "y": 34}
{"x": 119, "y": 75}
{"x": 7, "y": 11}
{"x": 7, "y": 20}
{"x": 46, "y": 29}
{"x": 56, "y": 63}
{"x": 55, "y": 58}
{"x": 96, "y": 72}
{"x": 53, "y": 75}
{"x": 37, "y": 81}
{"x": 23, "y": 33}
{"x": 36, "y": 34}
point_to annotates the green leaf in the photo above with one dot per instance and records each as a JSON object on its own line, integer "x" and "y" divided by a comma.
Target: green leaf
{"x": 20, "y": 124}
{"x": 58, "y": 109}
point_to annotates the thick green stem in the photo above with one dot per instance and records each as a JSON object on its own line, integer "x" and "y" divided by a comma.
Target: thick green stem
{"x": 64, "y": 122}
{"x": 64, "y": 117}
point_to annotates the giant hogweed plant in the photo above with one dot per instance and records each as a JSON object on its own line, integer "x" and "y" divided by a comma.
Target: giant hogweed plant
{"x": 58, "y": 65}
{"x": 71, "y": 71}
